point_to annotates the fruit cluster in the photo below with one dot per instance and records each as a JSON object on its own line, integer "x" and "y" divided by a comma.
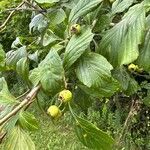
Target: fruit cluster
{"x": 54, "y": 111}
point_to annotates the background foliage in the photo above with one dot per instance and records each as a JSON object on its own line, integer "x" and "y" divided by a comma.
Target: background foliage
{"x": 104, "y": 63}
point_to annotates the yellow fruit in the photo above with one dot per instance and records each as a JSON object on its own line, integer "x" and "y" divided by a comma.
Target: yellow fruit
{"x": 65, "y": 95}
{"x": 132, "y": 67}
{"x": 54, "y": 111}
{"x": 75, "y": 29}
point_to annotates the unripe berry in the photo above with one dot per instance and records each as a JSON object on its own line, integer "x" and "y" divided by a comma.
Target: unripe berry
{"x": 75, "y": 29}
{"x": 132, "y": 67}
{"x": 54, "y": 111}
{"x": 65, "y": 95}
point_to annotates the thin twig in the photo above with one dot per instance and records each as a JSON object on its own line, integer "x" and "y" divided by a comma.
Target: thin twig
{"x": 2, "y": 27}
{"x": 22, "y": 95}
{"x": 20, "y": 9}
{"x": 96, "y": 45}
{"x": 2, "y": 135}
{"x": 66, "y": 85}
{"x": 29, "y": 103}
{"x": 126, "y": 123}
{"x": 94, "y": 23}
{"x": 144, "y": 76}
{"x": 27, "y": 100}
{"x": 10, "y": 15}
{"x": 41, "y": 10}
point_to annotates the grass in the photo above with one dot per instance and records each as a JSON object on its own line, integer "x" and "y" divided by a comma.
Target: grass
{"x": 58, "y": 135}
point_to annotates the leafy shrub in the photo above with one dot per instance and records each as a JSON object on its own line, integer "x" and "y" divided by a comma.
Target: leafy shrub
{"x": 96, "y": 50}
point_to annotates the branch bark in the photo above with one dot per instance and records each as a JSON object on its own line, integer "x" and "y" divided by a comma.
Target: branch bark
{"x": 2, "y": 135}
{"x": 21, "y": 9}
{"x": 26, "y": 101}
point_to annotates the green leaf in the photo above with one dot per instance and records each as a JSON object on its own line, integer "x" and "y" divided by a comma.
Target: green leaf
{"x": 77, "y": 46}
{"x": 121, "y": 5}
{"x": 35, "y": 76}
{"x": 93, "y": 69}
{"x": 70, "y": 4}
{"x": 2, "y": 58}
{"x": 57, "y": 48}
{"x": 4, "y": 109}
{"x": 42, "y": 98}
{"x": 102, "y": 23}
{"x": 12, "y": 122}
{"x": 38, "y": 22}
{"x": 145, "y": 85}
{"x": 6, "y": 98}
{"x": 90, "y": 135}
{"x": 148, "y": 22}
{"x": 49, "y": 37}
{"x": 122, "y": 76}
{"x": 2, "y": 53}
{"x": 18, "y": 139}
{"x": 82, "y": 99}
{"x": 4, "y": 4}
{"x": 16, "y": 43}
{"x": 133, "y": 87}
{"x": 106, "y": 89}
{"x": 28, "y": 121}
{"x": 60, "y": 30}
{"x": 34, "y": 56}
{"x": 12, "y": 57}
{"x": 129, "y": 84}
{"x": 46, "y": 1}
{"x": 144, "y": 57}
{"x": 147, "y": 4}
{"x": 82, "y": 8}
{"x": 120, "y": 44}
{"x": 56, "y": 16}
{"x": 22, "y": 68}
{"x": 146, "y": 99}
{"x": 50, "y": 73}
